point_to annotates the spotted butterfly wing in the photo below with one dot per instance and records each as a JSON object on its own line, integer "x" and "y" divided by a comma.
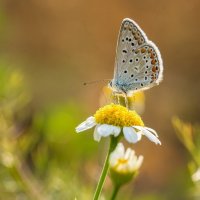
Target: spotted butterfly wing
{"x": 138, "y": 64}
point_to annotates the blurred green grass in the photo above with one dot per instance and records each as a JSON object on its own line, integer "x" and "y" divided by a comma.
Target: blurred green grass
{"x": 44, "y": 142}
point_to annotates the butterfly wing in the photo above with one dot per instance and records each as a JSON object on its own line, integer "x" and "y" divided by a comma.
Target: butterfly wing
{"x": 146, "y": 70}
{"x": 138, "y": 63}
{"x": 130, "y": 38}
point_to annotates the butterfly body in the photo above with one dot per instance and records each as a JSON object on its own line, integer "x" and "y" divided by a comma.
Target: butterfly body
{"x": 138, "y": 64}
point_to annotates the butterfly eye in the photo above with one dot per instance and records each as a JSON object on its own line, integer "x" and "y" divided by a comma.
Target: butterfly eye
{"x": 130, "y": 60}
{"x": 132, "y": 75}
{"x": 146, "y": 72}
{"x": 122, "y": 40}
{"x": 136, "y": 59}
{"x": 132, "y": 44}
{"x": 125, "y": 71}
{"x": 129, "y": 39}
{"x": 123, "y": 61}
{"x": 144, "y": 57}
{"x": 124, "y": 51}
{"x": 141, "y": 84}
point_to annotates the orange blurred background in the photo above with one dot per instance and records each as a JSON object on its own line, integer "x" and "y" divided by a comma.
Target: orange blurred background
{"x": 61, "y": 44}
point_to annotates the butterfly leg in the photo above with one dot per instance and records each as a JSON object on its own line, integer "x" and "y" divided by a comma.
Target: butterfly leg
{"x": 118, "y": 99}
{"x": 126, "y": 101}
{"x": 114, "y": 96}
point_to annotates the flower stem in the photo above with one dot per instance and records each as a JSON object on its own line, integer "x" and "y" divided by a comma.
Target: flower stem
{"x": 113, "y": 144}
{"x": 115, "y": 191}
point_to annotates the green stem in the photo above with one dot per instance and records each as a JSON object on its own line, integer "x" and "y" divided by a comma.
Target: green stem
{"x": 115, "y": 192}
{"x": 113, "y": 144}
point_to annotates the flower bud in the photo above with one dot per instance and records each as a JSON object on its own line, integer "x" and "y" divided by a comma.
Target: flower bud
{"x": 124, "y": 165}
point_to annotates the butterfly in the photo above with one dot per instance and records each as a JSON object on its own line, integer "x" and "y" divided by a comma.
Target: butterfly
{"x": 138, "y": 63}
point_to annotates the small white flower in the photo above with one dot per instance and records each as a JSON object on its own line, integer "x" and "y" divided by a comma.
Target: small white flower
{"x": 122, "y": 161}
{"x": 112, "y": 119}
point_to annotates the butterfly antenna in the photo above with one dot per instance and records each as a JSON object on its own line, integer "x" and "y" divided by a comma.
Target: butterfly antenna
{"x": 96, "y": 81}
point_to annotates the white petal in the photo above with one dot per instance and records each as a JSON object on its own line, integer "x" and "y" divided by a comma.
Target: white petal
{"x": 139, "y": 162}
{"x": 151, "y": 136}
{"x": 149, "y": 129}
{"x": 116, "y": 130}
{"x": 139, "y": 133}
{"x": 120, "y": 150}
{"x": 130, "y": 135}
{"x": 90, "y": 119}
{"x": 140, "y": 128}
{"x": 105, "y": 130}
{"x": 117, "y": 154}
{"x": 136, "y": 163}
{"x": 81, "y": 127}
{"x": 113, "y": 159}
{"x": 87, "y": 124}
{"x": 96, "y": 135}
{"x": 129, "y": 154}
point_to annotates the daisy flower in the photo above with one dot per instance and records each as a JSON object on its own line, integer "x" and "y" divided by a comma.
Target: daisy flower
{"x": 112, "y": 119}
{"x": 124, "y": 162}
{"x": 124, "y": 165}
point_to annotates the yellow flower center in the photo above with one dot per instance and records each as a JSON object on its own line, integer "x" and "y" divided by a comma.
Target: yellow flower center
{"x": 122, "y": 161}
{"x": 117, "y": 115}
{"x": 122, "y": 166}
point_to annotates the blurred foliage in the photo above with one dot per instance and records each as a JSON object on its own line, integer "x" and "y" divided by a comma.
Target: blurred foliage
{"x": 41, "y": 157}
{"x": 39, "y": 148}
{"x": 189, "y": 135}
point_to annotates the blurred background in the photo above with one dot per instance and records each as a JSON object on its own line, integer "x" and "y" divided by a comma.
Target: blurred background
{"x": 48, "y": 49}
